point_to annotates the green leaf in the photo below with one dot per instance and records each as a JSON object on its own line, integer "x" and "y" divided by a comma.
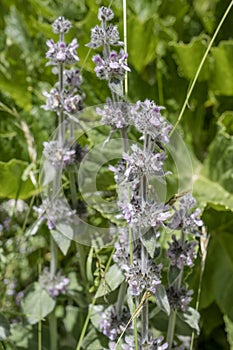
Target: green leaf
{"x": 113, "y": 278}
{"x": 149, "y": 241}
{"x": 96, "y": 315}
{"x": 217, "y": 282}
{"x": 21, "y": 335}
{"x": 161, "y": 299}
{"x": 37, "y": 303}
{"x": 62, "y": 241}
{"x": 222, "y": 67}
{"x": 4, "y": 328}
{"x": 206, "y": 11}
{"x": 189, "y": 56}
{"x": 213, "y": 183}
{"x": 93, "y": 341}
{"x": 192, "y": 317}
{"x": 144, "y": 51}
{"x": 12, "y": 185}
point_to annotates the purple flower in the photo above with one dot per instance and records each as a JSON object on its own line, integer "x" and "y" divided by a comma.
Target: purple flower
{"x": 184, "y": 219}
{"x": 57, "y": 155}
{"x": 147, "y": 118}
{"x": 73, "y": 104}
{"x": 72, "y": 77}
{"x": 105, "y": 14}
{"x": 53, "y": 100}
{"x": 140, "y": 162}
{"x": 101, "y": 37}
{"x": 181, "y": 253}
{"x": 61, "y": 52}
{"x": 55, "y": 285}
{"x": 54, "y": 212}
{"x": 179, "y": 298}
{"x": 114, "y": 115}
{"x": 110, "y": 325}
{"x": 139, "y": 281}
{"x": 115, "y": 66}
{"x": 61, "y": 25}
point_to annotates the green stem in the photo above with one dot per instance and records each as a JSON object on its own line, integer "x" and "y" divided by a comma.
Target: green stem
{"x": 171, "y": 328}
{"x": 190, "y": 90}
{"x": 53, "y": 331}
{"x": 120, "y": 299}
{"x": 172, "y": 317}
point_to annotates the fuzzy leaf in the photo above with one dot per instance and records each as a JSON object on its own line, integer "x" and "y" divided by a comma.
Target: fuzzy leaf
{"x": 62, "y": 241}
{"x": 37, "y": 303}
{"x": 113, "y": 278}
{"x": 192, "y": 317}
{"x": 161, "y": 299}
{"x": 150, "y": 242}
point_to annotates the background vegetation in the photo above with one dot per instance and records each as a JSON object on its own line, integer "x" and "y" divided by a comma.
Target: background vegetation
{"x": 166, "y": 42}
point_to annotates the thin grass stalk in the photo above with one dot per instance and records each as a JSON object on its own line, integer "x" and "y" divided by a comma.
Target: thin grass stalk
{"x": 193, "y": 83}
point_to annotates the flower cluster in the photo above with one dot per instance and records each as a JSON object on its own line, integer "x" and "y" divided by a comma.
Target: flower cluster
{"x": 61, "y": 25}
{"x": 147, "y": 118}
{"x": 112, "y": 67}
{"x": 71, "y": 98}
{"x": 115, "y": 115}
{"x": 65, "y": 95}
{"x": 140, "y": 163}
{"x": 179, "y": 298}
{"x": 185, "y": 218}
{"x": 110, "y": 325}
{"x": 181, "y": 253}
{"x": 105, "y": 35}
{"x": 61, "y": 52}
{"x": 55, "y": 285}
{"x": 140, "y": 281}
{"x": 57, "y": 155}
{"x": 54, "y": 212}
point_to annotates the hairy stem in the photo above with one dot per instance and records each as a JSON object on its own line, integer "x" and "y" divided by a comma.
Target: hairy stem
{"x": 172, "y": 317}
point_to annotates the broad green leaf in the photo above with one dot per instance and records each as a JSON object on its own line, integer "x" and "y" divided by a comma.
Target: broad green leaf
{"x": 221, "y": 78}
{"x": 189, "y": 56}
{"x": 217, "y": 282}
{"x": 37, "y": 304}
{"x": 113, "y": 278}
{"x": 4, "y": 328}
{"x": 62, "y": 241}
{"x": 12, "y": 185}
{"x": 96, "y": 315}
{"x": 161, "y": 299}
{"x": 213, "y": 184}
{"x": 192, "y": 317}
{"x": 142, "y": 53}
